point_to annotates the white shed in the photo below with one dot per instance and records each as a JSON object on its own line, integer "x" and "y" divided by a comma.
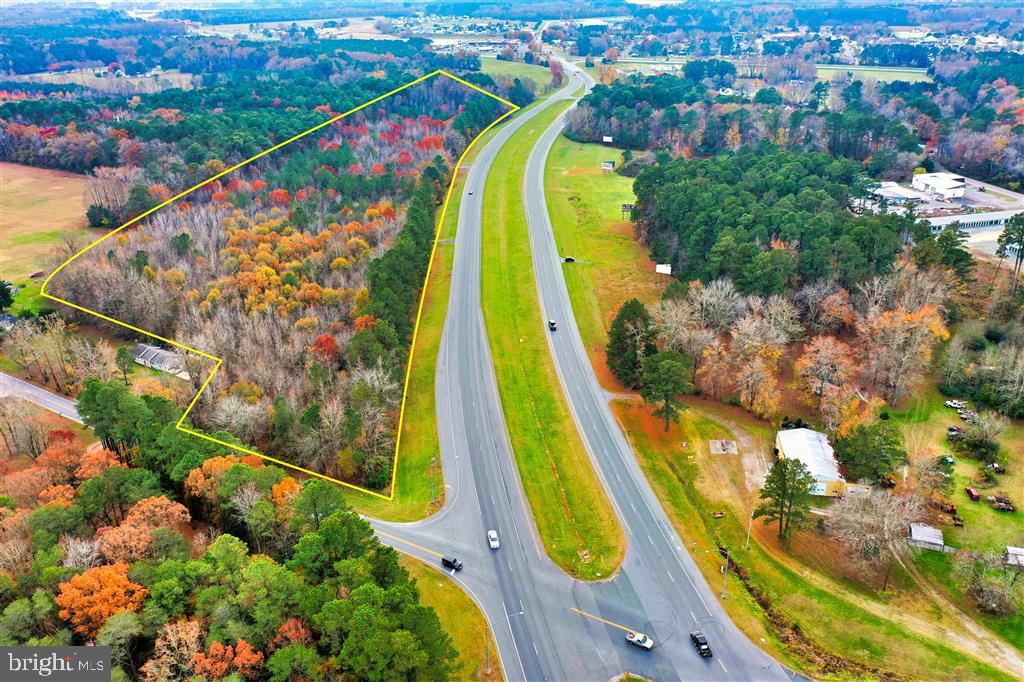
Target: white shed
{"x": 928, "y": 537}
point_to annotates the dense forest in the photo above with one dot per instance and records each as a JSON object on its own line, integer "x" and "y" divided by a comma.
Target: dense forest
{"x": 769, "y": 220}
{"x": 301, "y": 270}
{"x": 683, "y": 116}
{"x": 190, "y": 561}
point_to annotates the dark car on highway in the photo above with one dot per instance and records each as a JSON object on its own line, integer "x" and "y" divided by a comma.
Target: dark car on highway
{"x": 701, "y": 643}
{"x": 451, "y": 562}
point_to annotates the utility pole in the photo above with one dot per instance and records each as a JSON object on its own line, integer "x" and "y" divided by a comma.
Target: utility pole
{"x": 433, "y": 497}
{"x": 749, "y": 524}
{"x": 725, "y": 577}
{"x": 487, "y": 649}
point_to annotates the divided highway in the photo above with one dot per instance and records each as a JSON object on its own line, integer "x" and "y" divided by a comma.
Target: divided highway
{"x": 547, "y": 625}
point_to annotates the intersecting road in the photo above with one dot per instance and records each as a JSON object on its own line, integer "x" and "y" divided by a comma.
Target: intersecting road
{"x": 533, "y": 607}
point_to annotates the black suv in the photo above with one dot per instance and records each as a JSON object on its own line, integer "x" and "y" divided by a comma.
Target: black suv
{"x": 701, "y": 642}
{"x": 451, "y": 562}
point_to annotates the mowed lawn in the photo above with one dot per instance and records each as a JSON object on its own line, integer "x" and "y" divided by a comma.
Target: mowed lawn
{"x": 574, "y": 517}
{"x": 885, "y": 74}
{"x": 924, "y": 422}
{"x": 826, "y": 615}
{"x": 586, "y": 213}
{"x": 461, "y": 618}
{"x": 540, "y": 76}
{"x": 39, "y": 206}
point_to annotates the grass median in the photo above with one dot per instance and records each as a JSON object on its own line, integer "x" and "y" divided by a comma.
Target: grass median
{"x": 574, "y": 517}
{"x": 419, "y": 489}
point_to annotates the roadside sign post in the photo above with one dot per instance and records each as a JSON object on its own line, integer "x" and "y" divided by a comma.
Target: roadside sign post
{"x": 626, "y": 210}
{"x": 749, "y": 524}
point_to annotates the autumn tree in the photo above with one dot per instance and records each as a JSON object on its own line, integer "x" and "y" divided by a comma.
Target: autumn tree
{"x": 898, "y": 347}
{"x": 758, "y": 388}
{"x": 990, "y": 582}
{"x": 826, "y": 364}
{"x": 88, "y": 599}
{"x": 786, "y": 495}
{"x": 176, "y": 645}
{"x": 666, "y": 375}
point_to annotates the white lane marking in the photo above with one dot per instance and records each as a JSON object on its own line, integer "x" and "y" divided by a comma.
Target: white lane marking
{"x": 513, "y": 636}
{"x": 723, "y": 666}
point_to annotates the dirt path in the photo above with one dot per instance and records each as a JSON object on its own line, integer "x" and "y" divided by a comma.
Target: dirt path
{"x": 993, "y": 648}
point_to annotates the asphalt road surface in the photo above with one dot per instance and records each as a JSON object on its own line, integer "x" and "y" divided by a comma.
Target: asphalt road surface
{"x": 533, "y": 607}
{"x": 13, "y": 386}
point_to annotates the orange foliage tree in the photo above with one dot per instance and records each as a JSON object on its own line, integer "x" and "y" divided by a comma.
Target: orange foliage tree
{"x": 90, "y": 598}
{"x": 95, "y": 462}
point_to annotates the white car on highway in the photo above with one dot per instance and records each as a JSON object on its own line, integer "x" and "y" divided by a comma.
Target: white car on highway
{"x": 492, "y": 539}
{"x": 640, "y": 639}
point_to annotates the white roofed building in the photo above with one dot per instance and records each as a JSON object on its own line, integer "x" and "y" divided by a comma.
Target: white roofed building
{"x": 941, "y": 185}
{"x": 813, "y": 449}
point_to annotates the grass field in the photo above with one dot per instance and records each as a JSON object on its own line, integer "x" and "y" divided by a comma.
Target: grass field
{"x": 460, "y": 617}
{"x": 924, "y": 424}
{"x": 540, "y": 76}
{"x": 171, "y": 78}
{"x": 573, "y": 515}
{"x": 39, "y": 206}
{"x": 885, "y": 74}
{"x": 586, "y": 213}
{"x": 828, "y": 617}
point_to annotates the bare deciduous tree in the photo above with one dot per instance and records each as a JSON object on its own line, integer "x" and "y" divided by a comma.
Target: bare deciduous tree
{"x": 80, "y": 552}
{"x": 874, "y": 528}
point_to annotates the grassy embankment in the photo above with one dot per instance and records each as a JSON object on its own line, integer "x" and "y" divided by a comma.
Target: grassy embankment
{"x": 500, "y": 69}
{"x": 460, "y": 617}
{"x": 574, "y": 517}
{"x": 835, "y": 616}
{"x": 611, "y": 266}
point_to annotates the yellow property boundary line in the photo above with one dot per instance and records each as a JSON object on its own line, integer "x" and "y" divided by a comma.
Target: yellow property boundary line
{"x": 218, "y": 361}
